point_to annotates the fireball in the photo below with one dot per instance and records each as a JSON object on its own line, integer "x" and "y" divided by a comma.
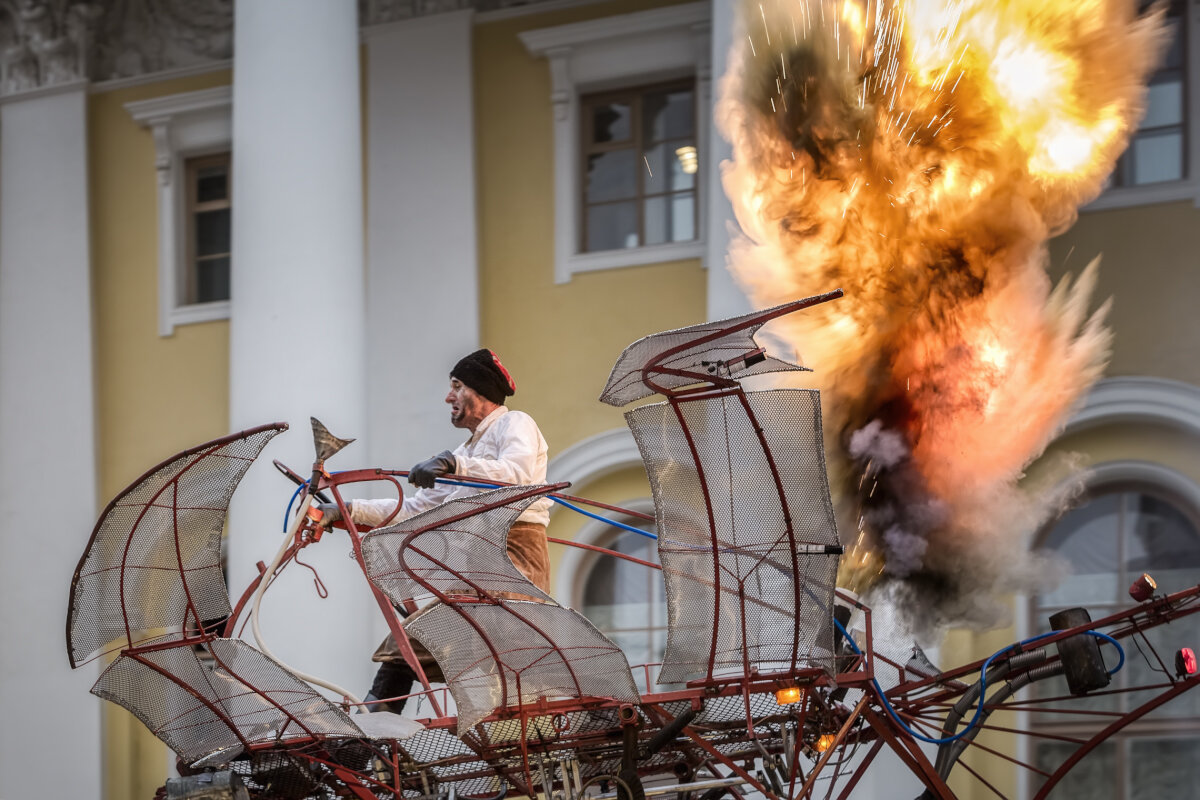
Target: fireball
{"x": 918, "y": 154}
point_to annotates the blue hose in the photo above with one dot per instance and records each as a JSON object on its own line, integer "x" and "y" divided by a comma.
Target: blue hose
{"x": 982, "y": 683}
{"x": 560, "y": 501}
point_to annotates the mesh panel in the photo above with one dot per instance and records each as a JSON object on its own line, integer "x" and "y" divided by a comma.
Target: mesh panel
{"x": 544, "y": 650}
{"x": 156, "y": 543}
{"x": 242, "y": 687}
{"x": 788, "y": 591}
{"x": 625, "y": 384}
{"x": 451, "y": 556}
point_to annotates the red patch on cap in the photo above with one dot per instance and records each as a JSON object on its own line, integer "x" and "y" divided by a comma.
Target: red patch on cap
{"x": 512, "y": 386}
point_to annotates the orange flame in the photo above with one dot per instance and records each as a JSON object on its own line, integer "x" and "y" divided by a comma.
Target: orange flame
{"x": 918, "y": 154}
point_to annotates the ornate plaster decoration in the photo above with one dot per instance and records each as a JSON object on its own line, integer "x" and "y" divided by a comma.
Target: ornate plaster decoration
{"x": 44, "y": 42}
{"x": 50, "y": 42}
{"x": 378, "y": 12}
{"x": 138, "y": 37}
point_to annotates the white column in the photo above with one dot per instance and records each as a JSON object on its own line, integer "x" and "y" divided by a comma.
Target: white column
{"x": 422, "y": 310}
{"x": 51, "y": 731}
{"x": 725, "y": 299}
{"x": 296, "y": 330}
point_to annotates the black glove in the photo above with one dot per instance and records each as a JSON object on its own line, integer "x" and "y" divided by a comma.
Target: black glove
{"x": 427, "y": 472}
{"x": 330, "y": 514}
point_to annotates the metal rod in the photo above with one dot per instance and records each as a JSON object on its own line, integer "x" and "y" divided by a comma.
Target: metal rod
{"x": 716, "y": 783}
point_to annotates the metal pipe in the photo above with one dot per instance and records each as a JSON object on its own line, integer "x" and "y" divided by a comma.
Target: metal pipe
{"x": 651, "y": 791}
{"x": 669, "y": 732}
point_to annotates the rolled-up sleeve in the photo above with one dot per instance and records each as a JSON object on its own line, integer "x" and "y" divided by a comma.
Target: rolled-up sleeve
{"x": 374, "y": 512}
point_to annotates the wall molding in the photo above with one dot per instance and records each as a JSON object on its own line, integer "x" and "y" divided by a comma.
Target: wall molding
{"x": 1139, "y": 399}
{"x": 595, "y": 457}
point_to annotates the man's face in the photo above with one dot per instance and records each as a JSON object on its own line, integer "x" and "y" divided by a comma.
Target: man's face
{"x": 467, "y": 407}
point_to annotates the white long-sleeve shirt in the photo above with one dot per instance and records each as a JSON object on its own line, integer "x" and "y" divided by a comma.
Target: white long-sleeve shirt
{"x": 507, "y": 447}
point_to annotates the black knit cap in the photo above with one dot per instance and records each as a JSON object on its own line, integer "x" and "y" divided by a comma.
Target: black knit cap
{"x": 484, "y": 373}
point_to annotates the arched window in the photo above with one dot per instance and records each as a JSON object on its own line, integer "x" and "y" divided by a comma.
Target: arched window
{"x": 1113, "y": 535}
{"x": 626, "y": 600}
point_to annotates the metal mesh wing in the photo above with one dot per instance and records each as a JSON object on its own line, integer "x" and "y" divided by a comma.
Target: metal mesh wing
{"x": 241, "y": 697}
{"x": 153, "y": 564}
{"x": 698, "y": 349}
{"x": 504, "y": 652}
{"x": 518, "y": 651}
{"x": 732, "y": 529}
{"x": 459, "y": 547}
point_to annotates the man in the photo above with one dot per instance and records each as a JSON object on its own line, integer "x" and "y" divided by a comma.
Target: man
{"x": 505, "y": 447}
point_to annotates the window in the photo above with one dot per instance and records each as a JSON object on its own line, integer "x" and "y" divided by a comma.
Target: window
{"x": 208, "y": 218}
{"x": 623, "y": 195}
{"x": 1112, "y": 537}
{"x": 639, "y": 167}
{"x": 1157, "y": 151}
{"x": 627, "y": 601}
{"x": 192, "y": 134}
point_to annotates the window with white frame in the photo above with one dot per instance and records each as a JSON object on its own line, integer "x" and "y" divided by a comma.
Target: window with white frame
{"x": 1116, "y": 533}
{"x": 1158, "y": 164}
{"x": 626, "y": 600}
{"x": 614, "y": 206}
{"x": 1157, "y": 151}
{"x": 639, "y": 164}
{"x": 192, "y": 132}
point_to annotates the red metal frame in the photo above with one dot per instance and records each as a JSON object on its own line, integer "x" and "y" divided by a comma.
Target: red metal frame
{"x": 603, "y": 730}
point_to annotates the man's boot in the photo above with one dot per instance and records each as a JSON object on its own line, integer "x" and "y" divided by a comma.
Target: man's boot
{"x": 394, "y": 679}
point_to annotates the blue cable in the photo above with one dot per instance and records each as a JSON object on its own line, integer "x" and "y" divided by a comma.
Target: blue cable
{"x": 287, "y": 516}
{"x": 560, "y": 501}
{"x": 982, "y": 683}
{"x": 854, "y": 646}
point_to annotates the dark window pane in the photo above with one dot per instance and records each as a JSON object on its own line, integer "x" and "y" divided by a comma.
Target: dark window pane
{"x": 1087, "y": 538}
{"x": 618, "y": 593}
{"x": 612, "y": 226}
{"x": 612, "y": 176}
{"x": 1158, "y": 157}
{"x": 1163, "y": 769}
{"x": 212, "y": 232}
{"x": 212, "y": 280}
{"x": 1092, "y": 778}
{"x": 668, "y": 115}
{"x": 1147, "y": 671}
{"x": 1174, "y": 58}
{"x": 670, "y": 218}
{"x": 212, "y": 183}
{"x": 611, "y": 122}
{"x": 1162, "y": 541}
{"x": 1164, "y": 104}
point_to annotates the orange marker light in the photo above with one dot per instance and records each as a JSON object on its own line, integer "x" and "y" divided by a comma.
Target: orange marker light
{"x": 1143, "y": 588}
{"x": 825, "y": 742}
{"x": 788, "y": 695}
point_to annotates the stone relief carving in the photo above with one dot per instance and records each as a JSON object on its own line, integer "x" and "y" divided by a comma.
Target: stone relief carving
{"x": 50, "y": 42}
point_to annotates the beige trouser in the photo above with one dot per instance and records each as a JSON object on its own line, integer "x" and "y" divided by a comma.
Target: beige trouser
{"x": 529, "y": 553}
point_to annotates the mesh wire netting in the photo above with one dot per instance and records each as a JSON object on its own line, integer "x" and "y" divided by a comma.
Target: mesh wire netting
{"x": 452, "y": 556}
{"x": 490, "y": 755}
{"x": 197, "y": 710}
{"x": 156, "y": 544}
{"x": 742, "y": 587}
{"x": 626, "y": 385}
{"x": 517, "y": 652}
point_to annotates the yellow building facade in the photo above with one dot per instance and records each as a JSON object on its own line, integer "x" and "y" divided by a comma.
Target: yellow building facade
{"x": 466, "y": 160}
